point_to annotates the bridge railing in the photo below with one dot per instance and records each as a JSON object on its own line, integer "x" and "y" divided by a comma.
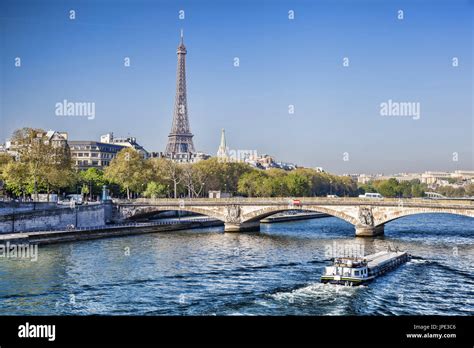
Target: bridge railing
{"x": 296, "y": 201}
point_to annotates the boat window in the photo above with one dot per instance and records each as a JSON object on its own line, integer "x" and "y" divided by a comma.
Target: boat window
{"x": 356, "y": 273}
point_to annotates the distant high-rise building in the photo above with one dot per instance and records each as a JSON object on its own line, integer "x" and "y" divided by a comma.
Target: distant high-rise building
{"x": 180, "y": 139}
{"x": 222, "y": 153}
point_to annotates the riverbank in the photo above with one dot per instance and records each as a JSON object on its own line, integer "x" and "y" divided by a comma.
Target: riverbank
{"x": 283, "y": 217}
{"x": 61, "y": 236}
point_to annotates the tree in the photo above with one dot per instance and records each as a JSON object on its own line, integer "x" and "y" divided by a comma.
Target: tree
{"x": 405, "y": 189}
{"x": 218, "y": 175}
{"x": 193, "y": 180}
{"x": 388, "y": 188}
{"x": 60, "y": 174}
{"x": 40, "y": 164}
{"x": 16, "y": 177}
{"x": 469, "y": 189}
{"x": 298, "y": 184}
{"x": 418, "y": 190}
{"x": 367, "y": 188}
{"x": 33, "y": 151}
{"x": 5, "y": 159}
{"x": 155, "y": 190}
{"x": 129, "y": 170}
{"x": 252, "y": 184}
{"x": 174, "y": 173}
{"x": 94, "y": 179}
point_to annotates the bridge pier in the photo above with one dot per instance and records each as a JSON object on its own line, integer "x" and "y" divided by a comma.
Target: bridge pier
{"x": 369, "y": 231}
{"x": 249, "y": 226}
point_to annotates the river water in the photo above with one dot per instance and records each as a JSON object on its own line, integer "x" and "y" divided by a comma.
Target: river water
{"x": 274, "y": 272}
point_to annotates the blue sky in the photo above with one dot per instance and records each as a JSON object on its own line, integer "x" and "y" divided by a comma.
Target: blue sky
{"x": 282, "y": 62}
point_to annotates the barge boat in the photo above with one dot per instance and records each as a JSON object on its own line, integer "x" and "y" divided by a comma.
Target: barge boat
{"x": 356, "y": 271}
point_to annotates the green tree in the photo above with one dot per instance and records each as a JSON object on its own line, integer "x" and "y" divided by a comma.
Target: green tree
{"x": 388, "y": 188}
{"x": 129, "y": 170}
{"x": 252, "y": 184}
{"x": 155, "y": 190}
{"x": 218, "y": 175}
{"x": 418, "y": 190}
{"x": 5, "y": 159}
{"x": 40, "y": 164}
{"x": 94, "y": 179}
{"x": 276, "y": 184}
{"x": 298, "y": 184}
{"x": 16, "y": 177}
{"x": 367, "y": 188}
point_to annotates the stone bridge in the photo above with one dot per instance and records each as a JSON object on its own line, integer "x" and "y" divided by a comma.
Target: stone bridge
{"x": 244, "y": 214}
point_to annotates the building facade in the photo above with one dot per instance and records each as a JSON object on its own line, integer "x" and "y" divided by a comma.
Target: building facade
{"x": 125, "y": 142}
{"x": 93, "y": 154}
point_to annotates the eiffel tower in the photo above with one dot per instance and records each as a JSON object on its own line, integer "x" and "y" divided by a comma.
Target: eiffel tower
{"x": 180, "y": 139}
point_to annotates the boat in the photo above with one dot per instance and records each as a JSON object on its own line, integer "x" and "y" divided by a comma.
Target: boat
{"x": 356, "y": 271}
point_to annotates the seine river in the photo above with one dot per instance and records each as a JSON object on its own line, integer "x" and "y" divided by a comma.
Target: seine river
{"x": 274, "y": 272}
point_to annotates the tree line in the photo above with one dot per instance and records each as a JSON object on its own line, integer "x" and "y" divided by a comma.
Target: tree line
{"x": 41, "y": 167}
{"x": 394, "y": 188}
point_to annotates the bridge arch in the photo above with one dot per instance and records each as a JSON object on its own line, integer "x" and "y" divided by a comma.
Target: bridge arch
{"x": 260, "y": 214}
{"x": 398, "y": 214}
{"x": 144, "y": 211}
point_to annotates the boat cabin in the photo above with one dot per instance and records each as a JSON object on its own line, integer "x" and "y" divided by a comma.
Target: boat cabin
{"x": 347, "y": 267}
